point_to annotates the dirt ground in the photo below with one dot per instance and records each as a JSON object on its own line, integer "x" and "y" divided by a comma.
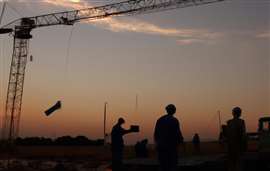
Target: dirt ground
{"x": 80, "y": 158}
{"x": 102, "y": 153}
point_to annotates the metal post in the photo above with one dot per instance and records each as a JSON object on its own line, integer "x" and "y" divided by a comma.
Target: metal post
{"x": 136, "y": 104}
{"x": 104, "y": 128}
{"x": 219, "y": 120}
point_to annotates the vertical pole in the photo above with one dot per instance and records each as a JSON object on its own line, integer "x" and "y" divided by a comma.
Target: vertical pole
{"x": 219, "y": 120}
{"x": 136, "y": 104}
{"x": 104, "y": 124}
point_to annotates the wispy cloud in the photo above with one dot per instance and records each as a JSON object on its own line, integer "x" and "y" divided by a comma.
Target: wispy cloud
{"x": 190, "y": 41}
{"x": 75, "y": 4}
{"x": 139, "y": 26}
{"x": 184, "y": 36}
{"x": 203, "y": 37}
{"x": 263, "y": 35}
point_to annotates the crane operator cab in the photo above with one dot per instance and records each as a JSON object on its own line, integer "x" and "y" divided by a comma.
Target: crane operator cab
{"x": 26, "y": 26}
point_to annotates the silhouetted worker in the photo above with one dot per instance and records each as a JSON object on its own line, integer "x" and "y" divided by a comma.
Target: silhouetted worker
{"x": 118, "y": 144}
{"x": 167, "y": 137}
{"x": 196, "y": 143}
{"x": 236, "y": 139}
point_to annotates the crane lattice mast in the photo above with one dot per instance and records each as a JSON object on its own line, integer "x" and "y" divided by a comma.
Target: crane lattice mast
{"x": 21, "y": 30}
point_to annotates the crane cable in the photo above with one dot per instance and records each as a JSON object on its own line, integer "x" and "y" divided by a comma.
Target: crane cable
{"x": 1, "y": 99}
{"x": 14, "y": 9}
{"x": 2, "y": 12}
{"x": 1, "y": 56}
{"x": 67, "y": 59}
{"x": 68, "y": 50}
{"x": 3, "y": 77}
{"x": 5, "y": 4}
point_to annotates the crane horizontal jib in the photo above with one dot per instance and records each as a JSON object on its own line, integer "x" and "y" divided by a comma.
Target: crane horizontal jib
{"x": 130, "y": 7}
{"x": 21, "y": 29}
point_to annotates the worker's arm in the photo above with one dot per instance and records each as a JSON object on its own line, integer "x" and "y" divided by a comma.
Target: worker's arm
{"x": 180, "y": 137}
{"x": 156, "y": 133}
{"x": 126, "y": 131}
{"x": 244, "y": 137}
{"x": 244, "y": 128}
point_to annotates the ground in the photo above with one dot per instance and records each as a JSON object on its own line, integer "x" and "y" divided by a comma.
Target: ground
{"x": 80, "y": 158}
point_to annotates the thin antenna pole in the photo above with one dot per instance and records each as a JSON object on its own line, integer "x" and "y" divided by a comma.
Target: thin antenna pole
{"x": 105, "y": 117}
{"x": 136, "y": 104}
{"x": 219, "y": 119}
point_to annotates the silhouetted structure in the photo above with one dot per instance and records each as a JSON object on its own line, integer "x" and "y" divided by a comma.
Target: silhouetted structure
{"x": 167, "y": 137}
{"x": 141, "y": 149}
{"x": 196, "y": 143}
{"x": 118, "y": 143}
{"x": 60, "y": 141}
{"x": 236, "y": 139}
{"x": 263, "y": 137}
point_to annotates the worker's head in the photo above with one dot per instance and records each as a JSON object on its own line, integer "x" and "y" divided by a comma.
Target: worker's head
{"x": 121, "y": 121}
{"x": 171, "y": 109}
{"x": 237, "y": 111}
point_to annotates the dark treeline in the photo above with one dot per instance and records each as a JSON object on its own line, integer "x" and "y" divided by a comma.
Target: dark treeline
{"x": 61, "y": 141}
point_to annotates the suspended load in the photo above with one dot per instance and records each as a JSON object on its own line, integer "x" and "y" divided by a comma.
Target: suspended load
{"x": 55, "y": 107}
{"x": 135, "y": 128}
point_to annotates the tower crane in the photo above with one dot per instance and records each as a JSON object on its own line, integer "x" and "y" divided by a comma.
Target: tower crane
{"x": 21, "y": 29}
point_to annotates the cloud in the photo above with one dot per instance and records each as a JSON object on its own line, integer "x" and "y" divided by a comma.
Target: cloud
{"x": 74, "y": 4}
{"x": 204, "y": 38}
{"x": 189, "y": 41}
{"x": 133, "y": 25}
{"x": 263, "y": 35}
{"x": 186, "y": 35}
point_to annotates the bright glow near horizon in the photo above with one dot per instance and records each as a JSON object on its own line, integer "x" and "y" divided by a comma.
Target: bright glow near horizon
{"x": 76, "y": 1}
{"x": 202, "y": 59}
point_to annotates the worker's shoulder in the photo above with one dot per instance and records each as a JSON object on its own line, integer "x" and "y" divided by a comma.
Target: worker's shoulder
{"x": 229, "y": 121}
{"x": 162, "y": 117}
{"x": 116, "y": 127}
{"x": 235, "y": 120}
{"x": 168, "y": 118}
{"x": 242, "y": 121}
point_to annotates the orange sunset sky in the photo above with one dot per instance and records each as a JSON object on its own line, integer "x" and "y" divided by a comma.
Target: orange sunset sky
{"x": 202, "y": 59}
